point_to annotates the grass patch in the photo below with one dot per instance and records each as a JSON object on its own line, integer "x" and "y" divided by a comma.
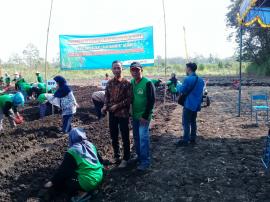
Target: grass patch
{"x": 152, "y": 72}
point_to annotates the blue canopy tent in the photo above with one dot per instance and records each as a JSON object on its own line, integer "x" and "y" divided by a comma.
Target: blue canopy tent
{"x": 251, "y": 12}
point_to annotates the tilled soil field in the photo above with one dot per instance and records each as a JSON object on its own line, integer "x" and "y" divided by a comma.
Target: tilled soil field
{"x": 224, "y": 165}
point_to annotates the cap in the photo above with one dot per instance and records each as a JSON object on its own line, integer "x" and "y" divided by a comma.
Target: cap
{"x": 136, "y": 65}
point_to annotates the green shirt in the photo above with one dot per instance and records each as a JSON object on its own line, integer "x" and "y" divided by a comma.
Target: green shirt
{"x": 19, "y": 83}
{"x": 39, "y": 79}
{"x": 42, "y": 86}
{"x": 171, "y": 87}
{"x": 7, "y": 80}
{"x": 42, "y": 98}
{"x": 26, "y": 87}
{"x": 89, "y": 175}
{"x": 4, "y": 99}
{"x": 139, "y": 98}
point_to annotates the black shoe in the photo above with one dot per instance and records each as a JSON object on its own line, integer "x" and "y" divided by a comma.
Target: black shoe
{"x": 181, "y": 143}
{"x": 193, "y": 142}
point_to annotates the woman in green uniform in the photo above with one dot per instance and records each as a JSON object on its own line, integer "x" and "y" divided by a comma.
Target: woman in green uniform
{"x": 81, "y": 170}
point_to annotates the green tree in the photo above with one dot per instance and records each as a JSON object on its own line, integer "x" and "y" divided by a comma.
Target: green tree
{"x": 256, "y": 40}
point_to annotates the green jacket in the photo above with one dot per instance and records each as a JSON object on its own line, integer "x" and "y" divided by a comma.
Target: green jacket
{"x": 4, "y": 99}
{"x": 7, "y": 80}
{"x": 139, "y": 98}
{"x": 26, "y": 87}
{"x": 89, "y": 175}
{"x": 39, "y": 79}
{"x": 19, "y": 83}
{"x": 42, "y": 86}
{"x": 172, "y": 88}
{"x": 42, "y": 98}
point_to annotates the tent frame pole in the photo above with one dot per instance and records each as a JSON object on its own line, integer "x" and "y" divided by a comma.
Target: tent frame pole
{"x": 240, "y": 71}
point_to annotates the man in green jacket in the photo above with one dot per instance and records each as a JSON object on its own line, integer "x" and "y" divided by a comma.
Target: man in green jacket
{"x": 142, "y": 109}
{"x": 8, "y": 106}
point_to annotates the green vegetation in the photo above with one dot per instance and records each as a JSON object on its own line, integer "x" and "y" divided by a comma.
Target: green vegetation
{"x": 203, "y": 69}
{"x": 259, "y": 70}
{"x": 256, "y": 43}
{"x": 30, "y": 62}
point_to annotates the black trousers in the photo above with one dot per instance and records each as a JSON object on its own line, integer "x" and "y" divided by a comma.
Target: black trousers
{"x": 115, "y": 123}
{"x": 70, "y": 187}
{"x": 98, "y": 107}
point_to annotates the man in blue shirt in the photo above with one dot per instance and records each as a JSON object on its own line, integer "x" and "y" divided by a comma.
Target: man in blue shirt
{"x": 192, "y": 104}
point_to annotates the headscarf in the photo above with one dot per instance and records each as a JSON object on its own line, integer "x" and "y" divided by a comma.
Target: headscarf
{"x": 18, "y": 99}
{"x": 79, "y": 143}
{"x": 63, "y": 89}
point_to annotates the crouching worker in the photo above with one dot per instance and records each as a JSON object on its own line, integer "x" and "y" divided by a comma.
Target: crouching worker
{"x": 8, "y": 106}
{"x": 98, "y": 98}
{"x": 81, "y": 171}
{"x": 44, "y": 105}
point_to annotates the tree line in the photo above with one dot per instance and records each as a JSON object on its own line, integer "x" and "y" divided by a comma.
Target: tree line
{"x": 256, "y": 41}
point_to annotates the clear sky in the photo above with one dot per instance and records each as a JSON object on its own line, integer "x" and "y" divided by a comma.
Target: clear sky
{"x": 25, "y": 21}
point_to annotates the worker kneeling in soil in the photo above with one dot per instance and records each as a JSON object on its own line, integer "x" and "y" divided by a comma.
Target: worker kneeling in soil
{"x": 81, "y": 170}
{"x": 8, "y": 106}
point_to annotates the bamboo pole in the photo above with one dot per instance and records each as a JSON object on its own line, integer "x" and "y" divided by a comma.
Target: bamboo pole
{"x": 165, "y": 49}
{"x": 185, "y": 41}
{"x": 46, "y": 50}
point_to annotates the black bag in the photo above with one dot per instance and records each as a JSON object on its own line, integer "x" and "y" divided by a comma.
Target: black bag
{"x": 206, "y": 101}
{"x": 182, "y": 98}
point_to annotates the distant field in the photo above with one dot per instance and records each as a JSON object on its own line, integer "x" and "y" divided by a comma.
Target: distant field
{"x": 210, "y": 69}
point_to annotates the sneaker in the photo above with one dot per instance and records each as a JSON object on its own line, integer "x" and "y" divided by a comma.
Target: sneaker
{"x": 123, "y": 164}
{"x": 181, "y": 143}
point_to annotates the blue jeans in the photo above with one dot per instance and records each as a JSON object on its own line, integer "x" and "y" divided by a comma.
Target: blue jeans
{"x": 142, "y": 142}
{"x": 67, "y": 119}
{"x": 189, "y": 124}
{"x": 42, "y": 110}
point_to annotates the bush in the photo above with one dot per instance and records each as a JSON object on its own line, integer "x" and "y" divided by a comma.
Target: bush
{"x": 259, "y": 70}
{"x": 201, "y": 67}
